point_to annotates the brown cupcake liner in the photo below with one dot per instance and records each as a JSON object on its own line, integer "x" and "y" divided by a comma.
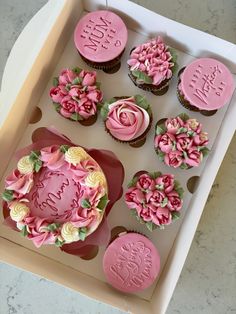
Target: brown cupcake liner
{"x": 186, "y": 104}
{"x": 110, "y": 67}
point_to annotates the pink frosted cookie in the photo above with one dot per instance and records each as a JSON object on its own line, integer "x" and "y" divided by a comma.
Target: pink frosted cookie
{"x": 131, "y": 262}
{"x": 152, "y": 65}
{"x": 205, "y": 85}
{"x": 180, "y": 142}
{"x": 127, "y": 119}
{"x": 155, "y": 199}
{"x": 100, "y": 37}
{"x": 56, "y": 195}
{"x": 76, "y": 95}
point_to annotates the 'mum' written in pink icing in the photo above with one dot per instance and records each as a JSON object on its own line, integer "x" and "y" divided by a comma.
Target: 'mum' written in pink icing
{"x": 208, "y": 84}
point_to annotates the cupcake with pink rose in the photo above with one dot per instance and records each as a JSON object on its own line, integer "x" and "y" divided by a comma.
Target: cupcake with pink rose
{"x": 152, "y": 66}
{"x": 76, "y": 95}
{"x": 180, "y": 142}
{"x": 127, "y": 119}
{"x": 155, "y": 199}
{"x": 56, "y": 195}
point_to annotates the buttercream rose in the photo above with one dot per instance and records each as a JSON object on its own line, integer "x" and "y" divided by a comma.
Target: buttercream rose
{"x": 86, "y": 108}
{"x": 165, "y": 142}
{"x": 145, "y": 182}
{"x": 165, "y": 182}
{"x": 134, "y": 198}
{"x": 174, "y": 201}
{"x": 172, "y": 125}
{"x": 201, "y": 139}
{"x": 58, "y": 93}
{"x": 145, "y": 213}
{"x": 194, "y": 157}
{"x": 66, "y": 77}
{"x": 161, "y": 216}
{"x": 69, "y": 106}
{"x": 154, "y": 199}
{"x": 89, "y": 78}
{"x": 183, "y": 142}
{"x": 125, "y": 120}
{"x": 174, "y": 159}
{"x": 194, "y": 125}
{"x": 52, "y": 157}
{"x": 19, "y": 183}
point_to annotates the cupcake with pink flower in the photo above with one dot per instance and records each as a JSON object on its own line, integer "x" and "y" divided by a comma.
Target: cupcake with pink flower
{"x": 152, "y": 65}
{"x": 155, "y": 199}
{"x": 180, "y": 142}
{"x": 76, "y": 95}
{"x": 127, "y": 119}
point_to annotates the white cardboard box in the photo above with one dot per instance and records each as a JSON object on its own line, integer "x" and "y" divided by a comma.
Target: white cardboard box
{"x": 34, "y": 60}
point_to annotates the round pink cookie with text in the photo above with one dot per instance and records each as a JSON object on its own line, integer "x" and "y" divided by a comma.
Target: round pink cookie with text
{"x": 207, "y": 84}
{"x": 100, "y": 36}
{"x": 56, "y": 195}
{"x": 131, "y": 263}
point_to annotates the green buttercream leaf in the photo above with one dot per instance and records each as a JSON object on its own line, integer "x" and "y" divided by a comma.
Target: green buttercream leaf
{"x": 76, "y": 70}
{"x": 154, "y": 175}
{"x": 76, "y": 117}
{"x": 164, "y": 202}
{"x": 67, "y": 87}
{"x": 159, "y": 130}
{"x": 64, "y": 148}
{"x": 57, "y": 106}
{"x": 174, "y": 60}
{"x": 141, "y": 101}
{"x": 160, "y": 155}
{"x": 181, "y": 130}
{"x": 104, "y": 111}
{"x": 53, "y": 227}
{"x": 59, "y": 243}
{"x": 204, "y": 150}
{"x": 7, "y": 195}
{"x": 37, "y": 165}
{"x": 159, "y": 187}
{"x": 183, "y": 116}
{"x": 191, "y": 133}
{"x": 133, "y": 212}
{"x": 141, "y": 77}
{"x": 111, "y": 101}
{"x": 55, "y": 81}
{"x": 34, "y": 156}
{"x": 82, "y": 233}
{"x": 185, "y": 155}
{"x": 133, "y": 182}
{"x": 150, "y": 225}
{"x": 24, "y": 231}
{"x": 175, "y": 215}
{"x": 77, "y": 81}
{"x": 103, "y": 202}
{"x": 180, "y": 191}
{"x": 184, "y": 166}
{"x": 85, "y": 203}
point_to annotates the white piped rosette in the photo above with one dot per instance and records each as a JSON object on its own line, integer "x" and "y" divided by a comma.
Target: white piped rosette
{"x": 81, "y": 220}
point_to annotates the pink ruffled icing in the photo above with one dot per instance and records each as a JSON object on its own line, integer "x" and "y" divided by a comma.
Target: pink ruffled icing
{"x": 154, "y": 59}
{"x": 52, "y": 157}
{"x": 126, "y": 121}
{"x": 19, "y": 183}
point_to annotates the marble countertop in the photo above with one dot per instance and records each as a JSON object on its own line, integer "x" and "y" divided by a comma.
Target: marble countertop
{"x": 208, "y": 281}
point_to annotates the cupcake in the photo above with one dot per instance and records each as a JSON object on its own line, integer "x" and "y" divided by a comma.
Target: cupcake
{"x": 180, "y": 142}
{"x": 155, "y": 199}
{"x": 76, "y": 95}
{"x": 152, "y": 65}
{"x": 56, "y": 195}
{"x": 100, "y": 38}
{"x": 205, "y": 85}
{"x": 131, "y": 262}
{"x": 127, "y": 119}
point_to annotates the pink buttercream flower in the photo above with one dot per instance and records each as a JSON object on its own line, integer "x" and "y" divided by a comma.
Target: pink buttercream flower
{"x": 194, "y": 125}
{"x": 194, "y": 157}
{"x": 86, "y": 108}
{"x": 173, "y": 159}
{"x": 201, "y": 139}
{"x": 134, "y": 197}
{"x": 69, "y": 106}
{"x": 67, "y": 76}
{"x": 145, "y": 182}
{"x": 58, "y": 93}
{"x": 161, "y": 216}
{"x": 172, "y": 125}
{"x": 19, "y": 183}
{"x": 89, "y": 78}
{"x": 167, "y": 181}
{"x": 82, "y": 169}
{"x": 154, "y": 199}
{"x": 126, "y": 121}
{"x": 94, "y": 95}
{"x": 165, "y": 142}
{"x": 174, "y": 201}
{"x": 152, "y": 58}
{"x": 52, "y": 157}
{"x": 84, "y": 217}
{"x": 145, "y": 214}
{"x": 183, "y": 142}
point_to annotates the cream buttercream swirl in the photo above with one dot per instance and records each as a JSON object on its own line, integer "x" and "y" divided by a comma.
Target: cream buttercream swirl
{"x": 75, "y": 155}
{"x": 18, "y": 211}
{"x": 95, "y": 178}
{"x": 25, "y": 165}
{"x": 69, "y": 232}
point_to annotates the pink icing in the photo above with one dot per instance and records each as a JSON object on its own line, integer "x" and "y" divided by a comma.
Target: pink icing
{"x": 127, "y": 121}
{"x": 154, "y": 59}
{"x": 100, "y": 36}
{"x": 207, "y": 84}
{"x": 131, "y": 263}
